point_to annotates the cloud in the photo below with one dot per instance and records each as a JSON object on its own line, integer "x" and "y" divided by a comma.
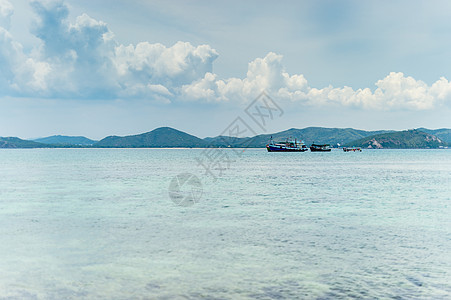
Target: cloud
{"x": 83, "y": 60}
{"x": 395, "y": 91}
{"x": 18, "y": 73}
{"x": 155, "y": 64}
{"x": 78, "y": 56}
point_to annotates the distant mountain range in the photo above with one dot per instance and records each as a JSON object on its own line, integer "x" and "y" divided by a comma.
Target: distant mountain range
{"x": 170, "y": 137}
{"x": 66, "y": 140}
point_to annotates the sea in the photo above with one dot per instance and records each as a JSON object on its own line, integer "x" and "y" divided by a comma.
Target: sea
{"x": 224, "y": 224}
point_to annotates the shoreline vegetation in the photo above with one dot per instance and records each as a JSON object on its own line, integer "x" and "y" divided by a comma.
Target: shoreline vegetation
{"x": 166, "y": 137}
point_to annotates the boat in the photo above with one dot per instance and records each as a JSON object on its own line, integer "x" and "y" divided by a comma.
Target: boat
{"x": 352, "y": 149}
{"x": 287, "y": 146}
{"x": 320, "y": 148}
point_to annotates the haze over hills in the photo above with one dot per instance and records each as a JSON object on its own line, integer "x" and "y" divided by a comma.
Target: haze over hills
{"x": 409, "y": 139}
{"x": 66, "y": 140}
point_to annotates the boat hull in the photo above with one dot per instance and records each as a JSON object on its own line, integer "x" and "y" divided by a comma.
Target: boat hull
{"x": 272, "y": 148}
{"x": 320, "y": 148}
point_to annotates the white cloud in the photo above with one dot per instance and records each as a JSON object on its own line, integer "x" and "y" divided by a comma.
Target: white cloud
{"x": 205, "y": 88}
{"x": 396, "y": 91}
{"x": 172, "y": 67}
{"x": 18, "y": 73}
{"x": 83, "y": 60}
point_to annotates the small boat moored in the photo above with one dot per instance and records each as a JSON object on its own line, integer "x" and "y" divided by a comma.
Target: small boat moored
{"x": 352, "y": 149}
{"x": 320, "y": 148}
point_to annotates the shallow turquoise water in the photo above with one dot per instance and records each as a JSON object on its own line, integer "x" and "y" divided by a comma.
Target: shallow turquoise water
{"x": 99, "y": 223}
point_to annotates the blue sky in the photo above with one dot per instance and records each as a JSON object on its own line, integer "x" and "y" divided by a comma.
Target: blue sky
{"x": 98, "y": 68}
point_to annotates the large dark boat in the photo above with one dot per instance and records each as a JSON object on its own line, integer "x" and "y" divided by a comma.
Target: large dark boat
{"x": 320, "y": 148}
{"x": 287, "y": 146}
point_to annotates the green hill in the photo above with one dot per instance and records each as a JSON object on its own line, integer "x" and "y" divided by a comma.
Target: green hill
{"x": 66, "y": 140}
{"x": 160, "y": 137}
{"x": 409, "y": 139}
{"x": 14, "y": 142}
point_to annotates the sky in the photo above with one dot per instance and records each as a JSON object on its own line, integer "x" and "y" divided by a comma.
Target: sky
{"x": 99, "y": 68}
